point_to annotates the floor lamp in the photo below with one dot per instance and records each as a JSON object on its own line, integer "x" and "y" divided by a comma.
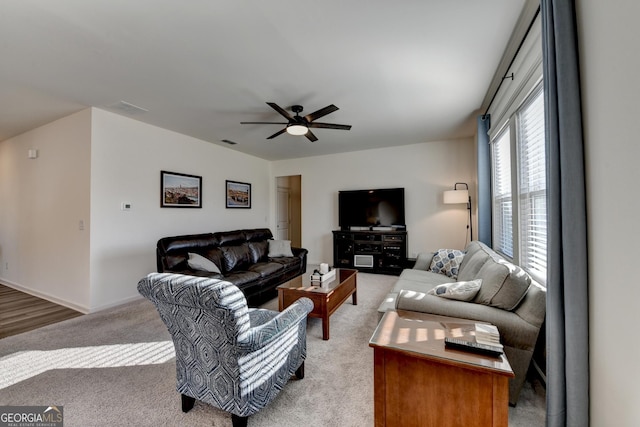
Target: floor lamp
{"x": 456, "y": 196}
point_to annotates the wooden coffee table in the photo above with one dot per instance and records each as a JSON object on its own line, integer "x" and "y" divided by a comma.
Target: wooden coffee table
{"x": 326, "y": 298}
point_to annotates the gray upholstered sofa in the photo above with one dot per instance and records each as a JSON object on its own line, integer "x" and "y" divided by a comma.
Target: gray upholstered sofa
{"x": 507, "y": 298}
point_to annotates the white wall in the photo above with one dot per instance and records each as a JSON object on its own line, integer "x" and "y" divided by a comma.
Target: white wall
{"x": 610, "y": 66}
{"x": 42, "y": 201}
{"x": 94, "y": 160}
{"x": 126, "y": 159}
{"x": 424, "y": 170}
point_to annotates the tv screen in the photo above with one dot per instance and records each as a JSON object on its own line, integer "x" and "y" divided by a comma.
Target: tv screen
{"x": 371, "y": 208}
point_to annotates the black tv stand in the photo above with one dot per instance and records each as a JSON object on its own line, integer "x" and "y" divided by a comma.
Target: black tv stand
{"x": 374, "y": 251}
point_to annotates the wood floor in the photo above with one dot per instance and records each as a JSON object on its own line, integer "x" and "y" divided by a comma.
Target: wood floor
{"x": 21, "y": 312}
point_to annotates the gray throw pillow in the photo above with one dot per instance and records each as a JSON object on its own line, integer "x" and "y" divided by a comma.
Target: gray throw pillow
{"x": 198, "y": 262}
{"x": 461, "y": 291}
{"x": 278, "y": 248}
{"x": 447, "y": 262}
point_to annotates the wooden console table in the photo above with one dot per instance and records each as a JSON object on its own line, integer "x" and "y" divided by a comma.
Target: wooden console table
{"x": 420, "y": 383}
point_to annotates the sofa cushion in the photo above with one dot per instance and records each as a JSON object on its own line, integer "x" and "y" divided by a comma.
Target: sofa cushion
{"x": 503, "y": 284}
{"x": 215, "y": 255}
{"x": 230, "y": 238}
{"x": 265, "y": 269}
{"x": 289, "y": 263}
{"x": 258, "y": 234}
{"x": 461, "y": 291}
{"x": 447, "y": 262}
{"x": 278, "y": 248}
{"x": 258, "y": 251}
{"x": 240, "y": 278}
{"x": 471, "y": 264}
{"x": 236, "y": 257}
{"x": 419, "y": 280}
{"x": 198, "y": 262}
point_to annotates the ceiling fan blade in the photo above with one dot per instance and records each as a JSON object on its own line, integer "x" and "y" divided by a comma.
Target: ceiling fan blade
{"x": 310, "y": 136}
{"x": 329, "y": 126}
{"x": 321, "y": 112}
{"x": 280, "y": 132}
{"x": 262, "y": 123}
{"x": 280, "y": 110}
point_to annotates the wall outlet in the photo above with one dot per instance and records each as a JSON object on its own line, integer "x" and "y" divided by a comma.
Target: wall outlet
{"x": 81, "y": 225}
{"x": 125, "y": 206}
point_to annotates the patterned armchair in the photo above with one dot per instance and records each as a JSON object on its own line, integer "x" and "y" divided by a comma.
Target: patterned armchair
{"x": 227, "y": 355}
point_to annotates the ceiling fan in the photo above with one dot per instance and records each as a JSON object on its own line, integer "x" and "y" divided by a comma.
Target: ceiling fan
{"x": 300, "y": 125}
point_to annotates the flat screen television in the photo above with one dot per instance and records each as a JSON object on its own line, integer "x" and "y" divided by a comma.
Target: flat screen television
{"x": 371, "y": 208}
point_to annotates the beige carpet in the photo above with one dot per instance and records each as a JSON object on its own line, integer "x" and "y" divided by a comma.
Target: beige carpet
{"x": 116, "y": 368}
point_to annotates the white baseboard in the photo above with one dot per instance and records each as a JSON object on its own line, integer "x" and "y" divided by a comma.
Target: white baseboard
{"x": 44, "y": 295}
{"x": 117, "y": 303}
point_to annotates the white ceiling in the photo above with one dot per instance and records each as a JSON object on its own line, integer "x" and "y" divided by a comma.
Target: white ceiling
{"x": 401, "y": 72}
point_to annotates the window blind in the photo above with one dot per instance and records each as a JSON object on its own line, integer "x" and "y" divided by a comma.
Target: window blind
{"x": 502, "y": 198}
{"x": 532, "y": 207}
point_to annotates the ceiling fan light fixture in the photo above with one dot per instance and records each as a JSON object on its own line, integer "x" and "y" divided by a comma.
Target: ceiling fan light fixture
{"x": 296, "y": 129}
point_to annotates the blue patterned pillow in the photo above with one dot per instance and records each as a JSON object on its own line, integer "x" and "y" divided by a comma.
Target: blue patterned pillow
{"x": 447, "y": 262}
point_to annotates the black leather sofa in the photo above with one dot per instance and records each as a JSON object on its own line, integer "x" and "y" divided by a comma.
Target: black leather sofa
{"x": 241, "y": 256}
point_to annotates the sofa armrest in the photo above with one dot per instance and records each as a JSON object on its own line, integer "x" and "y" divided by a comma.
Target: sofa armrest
{"x": 423, "y": 261}
{"x": 273, "y": 329}
{"x": 302, "y": 254}
{"x": 299, "y": 252}
{"x": 533, "y": 306}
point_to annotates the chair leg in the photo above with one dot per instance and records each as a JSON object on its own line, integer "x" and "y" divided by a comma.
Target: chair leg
{"x": 187, "y": 403}
{"x": 238, "y": 421}
{"x": 300, "y": 372}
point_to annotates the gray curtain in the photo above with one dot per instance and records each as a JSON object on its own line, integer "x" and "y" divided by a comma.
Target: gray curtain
{"x": 484, "y": 180}
{"x": 567, "y": 281}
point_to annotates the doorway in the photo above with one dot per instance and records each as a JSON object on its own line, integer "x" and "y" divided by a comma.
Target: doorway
{"x": 289, "y": 209}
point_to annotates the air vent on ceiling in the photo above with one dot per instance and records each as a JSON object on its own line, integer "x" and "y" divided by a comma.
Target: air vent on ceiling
{"x": 128, "y": 108}
{"x": 226, "y": 141}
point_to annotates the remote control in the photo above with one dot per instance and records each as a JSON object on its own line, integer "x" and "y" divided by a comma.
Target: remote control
{"x": 472, "y": 346}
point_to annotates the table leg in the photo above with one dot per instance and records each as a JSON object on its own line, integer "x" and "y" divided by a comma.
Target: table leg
{"x": 354, "y": 298}
{"x": 325, "y": 328}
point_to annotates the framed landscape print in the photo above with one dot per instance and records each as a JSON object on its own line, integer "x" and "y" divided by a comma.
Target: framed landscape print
{"x": 179, "y": 190}
{"x": 238, "y": 194}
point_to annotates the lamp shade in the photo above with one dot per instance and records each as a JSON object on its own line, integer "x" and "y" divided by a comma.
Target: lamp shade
{"x": 456, "y": 196}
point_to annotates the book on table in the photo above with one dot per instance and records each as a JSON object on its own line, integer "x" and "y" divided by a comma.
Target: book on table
{"x": 479, "y": 338}
{"x": 487, "y": 334}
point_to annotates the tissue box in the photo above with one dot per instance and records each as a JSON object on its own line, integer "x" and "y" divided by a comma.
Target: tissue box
{"x": 323, "y": 277}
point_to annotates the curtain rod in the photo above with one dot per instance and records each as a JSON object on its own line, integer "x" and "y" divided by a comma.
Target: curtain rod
{"x": 512, "y": 61}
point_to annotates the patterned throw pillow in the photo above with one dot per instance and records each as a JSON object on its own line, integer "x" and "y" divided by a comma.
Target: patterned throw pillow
{"x": 461, "y": 291}
{"x": 447, "y": 262}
